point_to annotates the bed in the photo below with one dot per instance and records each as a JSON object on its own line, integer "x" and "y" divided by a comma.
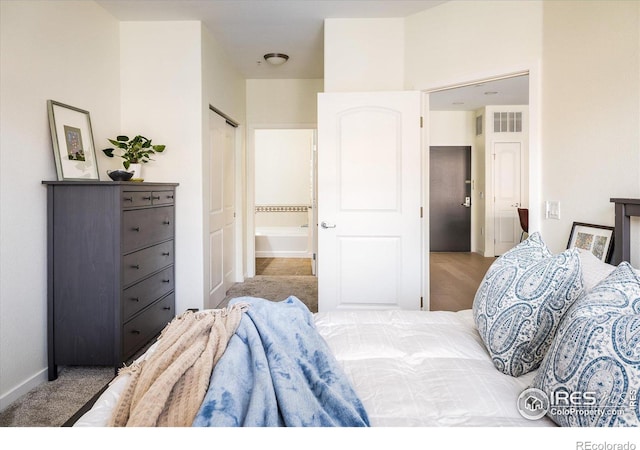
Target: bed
{"x": 407, "y": 368}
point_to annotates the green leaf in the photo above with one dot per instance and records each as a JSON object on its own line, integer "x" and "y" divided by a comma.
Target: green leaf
{"x": 126, "y": 164}
{"x": 122, "y": 138}
{"x": 108, "y": 152}
{"x": 159, "y": 148}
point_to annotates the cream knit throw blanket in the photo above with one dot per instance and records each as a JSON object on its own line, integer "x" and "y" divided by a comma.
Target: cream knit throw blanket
{"x": 167, "y": 388}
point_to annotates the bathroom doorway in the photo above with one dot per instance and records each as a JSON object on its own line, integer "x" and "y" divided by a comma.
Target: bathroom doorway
{"x": 284, "y": 202}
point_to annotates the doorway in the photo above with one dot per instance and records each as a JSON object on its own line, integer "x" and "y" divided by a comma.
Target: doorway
{"x": 284, "y": 196}
{"x": 465, "y": 115}
{"x": 450, "y": 198}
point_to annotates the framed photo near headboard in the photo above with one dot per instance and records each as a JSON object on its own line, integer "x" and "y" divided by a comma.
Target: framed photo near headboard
{"x": 598, "y": 239}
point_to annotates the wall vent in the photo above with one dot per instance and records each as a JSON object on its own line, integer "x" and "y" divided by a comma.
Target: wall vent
{"x": 507, "y": 122}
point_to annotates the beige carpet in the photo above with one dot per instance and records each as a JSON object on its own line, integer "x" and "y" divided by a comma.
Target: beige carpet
{"x": 54, "y": 402}
{"x": 278, "y": 288}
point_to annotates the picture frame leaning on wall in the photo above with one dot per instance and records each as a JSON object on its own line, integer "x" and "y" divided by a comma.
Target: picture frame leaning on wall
{"x": 72, "y": 139}
{"x": 598, "y": 239}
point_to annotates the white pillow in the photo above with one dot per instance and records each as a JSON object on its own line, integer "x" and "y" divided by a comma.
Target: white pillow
{"x": 591, "y": 374}
{"x": 593, "y": 269}
{"x": 521, "y": 301}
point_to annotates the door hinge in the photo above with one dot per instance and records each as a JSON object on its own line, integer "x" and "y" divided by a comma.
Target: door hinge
{"x": 421, "y": 122}
{"x": 421, "y": 212}
{"x": 421, "y": 302}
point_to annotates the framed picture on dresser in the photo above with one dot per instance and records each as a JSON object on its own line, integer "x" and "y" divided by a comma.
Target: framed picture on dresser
{"x": 598, "y": 239}
{"x": 72, "y": 140}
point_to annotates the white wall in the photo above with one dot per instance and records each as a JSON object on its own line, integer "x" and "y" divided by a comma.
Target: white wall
{"x": 462, "y": 41}
{"x": 69, "y": 52}
{"x": 283, "y": 166}
{"x": 591, "y": 112}
{"x": 161, "y": 98}
{"x": 452, "y": 127}
{"x": 279, "y": 102}
{"x": 364, "y": 55}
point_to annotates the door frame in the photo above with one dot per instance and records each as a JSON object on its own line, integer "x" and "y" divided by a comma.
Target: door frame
{"x": 250, "y": 176}
{"x": 534, "y": 188}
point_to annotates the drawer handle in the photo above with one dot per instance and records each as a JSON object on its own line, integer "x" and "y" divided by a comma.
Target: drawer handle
{"x": 156, "y": 198}
{"x": 128, "y": 199}
{"x": 136, "y": 229}
{"x": 135, "y": 299}
{"x": 170, "y": 197}
{"x": 166, "y": 222}
{"x": 146, "y": 198}
{"x": 168, "y": 308}
{"x": 135, "y": 266}
{"x": 166, "y": 254}
{"x": 135, "y": 331}
{"x": 166, "y": 281}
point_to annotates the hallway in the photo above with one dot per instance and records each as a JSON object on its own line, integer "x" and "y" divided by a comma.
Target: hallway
{"x": 454, "y": 279}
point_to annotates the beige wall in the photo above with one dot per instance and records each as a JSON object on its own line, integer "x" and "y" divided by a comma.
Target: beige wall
{"x": 162, "y": 100}
{"x": 73, "y": 52}
{"x": 363, "y": 55}
{"x": 462, "y": 41}
{"x": 283, "y": 101}
{"x": 63, "y": 51}
{"x": 590, "y": 112}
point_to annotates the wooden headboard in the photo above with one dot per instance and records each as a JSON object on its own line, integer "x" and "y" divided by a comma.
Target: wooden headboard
{"x": 625, "y": 209}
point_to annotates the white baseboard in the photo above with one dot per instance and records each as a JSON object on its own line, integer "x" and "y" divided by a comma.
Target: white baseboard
{"x": 14, "y": 394}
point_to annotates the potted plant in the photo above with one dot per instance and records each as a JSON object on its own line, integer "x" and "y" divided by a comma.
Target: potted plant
{"x": 134, "y": 152}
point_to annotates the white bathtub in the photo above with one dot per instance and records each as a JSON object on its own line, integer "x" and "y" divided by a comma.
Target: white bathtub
{"x": 282, "y": 242}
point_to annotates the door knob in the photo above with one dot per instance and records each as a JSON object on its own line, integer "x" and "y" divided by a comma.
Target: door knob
{"x": 327, "y": 225}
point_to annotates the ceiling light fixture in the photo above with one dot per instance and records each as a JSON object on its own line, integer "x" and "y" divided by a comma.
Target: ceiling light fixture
{"x": 276, "y": 59}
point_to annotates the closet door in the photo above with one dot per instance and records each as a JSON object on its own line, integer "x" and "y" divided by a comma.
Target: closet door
{"x": 369, "y": 199}
{"x": 221, "y": 208}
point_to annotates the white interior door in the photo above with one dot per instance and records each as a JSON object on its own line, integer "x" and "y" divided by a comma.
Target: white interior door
{"x": 507, "y": 191}
{"x": 221, "y": 208}
{"x": 369, "y": 199}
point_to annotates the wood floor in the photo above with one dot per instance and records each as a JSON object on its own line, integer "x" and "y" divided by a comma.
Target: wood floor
{"x": 283, "y": 266}
{"x": 454, "y": 279}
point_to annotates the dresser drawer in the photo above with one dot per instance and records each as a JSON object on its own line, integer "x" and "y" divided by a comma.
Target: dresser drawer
{"x": 162, "y": 197}
{"x": 142, "y": 294}
{"x": 142, "y": 263}
{"x": 143, "y": 327}
{"x": 143, "y": 227}
{"x": 136, "y": 198}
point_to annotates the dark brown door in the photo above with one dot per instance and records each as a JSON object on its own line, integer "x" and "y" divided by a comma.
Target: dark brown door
{"x": 450, "y": 199}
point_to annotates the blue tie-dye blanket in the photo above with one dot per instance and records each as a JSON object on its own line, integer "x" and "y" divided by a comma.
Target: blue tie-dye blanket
{"x": 278, "y": 371}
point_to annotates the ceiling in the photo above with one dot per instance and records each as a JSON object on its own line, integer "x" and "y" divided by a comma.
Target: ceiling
{"x": 248, "y": 29}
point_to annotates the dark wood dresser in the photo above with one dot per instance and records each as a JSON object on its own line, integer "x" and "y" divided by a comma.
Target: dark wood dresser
{"x": 110, "y": 269}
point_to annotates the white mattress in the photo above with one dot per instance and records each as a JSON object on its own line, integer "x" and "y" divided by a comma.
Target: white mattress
{"x": 409, "y": 369}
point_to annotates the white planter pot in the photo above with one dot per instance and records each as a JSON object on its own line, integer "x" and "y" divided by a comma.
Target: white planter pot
{"x": 137, "y": 171}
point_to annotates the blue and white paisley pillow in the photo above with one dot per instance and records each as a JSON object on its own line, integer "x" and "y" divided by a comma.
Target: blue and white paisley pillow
{"x": 596, "y": 355}
{"x": 521, "y": 301}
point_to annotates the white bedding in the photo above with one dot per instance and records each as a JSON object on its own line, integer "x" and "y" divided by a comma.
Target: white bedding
{"x": 423, "y": 369}
{"x": 409, "y": 368}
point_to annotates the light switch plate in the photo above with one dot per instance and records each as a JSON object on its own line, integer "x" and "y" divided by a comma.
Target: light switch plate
{"x": 552, "y": 210}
